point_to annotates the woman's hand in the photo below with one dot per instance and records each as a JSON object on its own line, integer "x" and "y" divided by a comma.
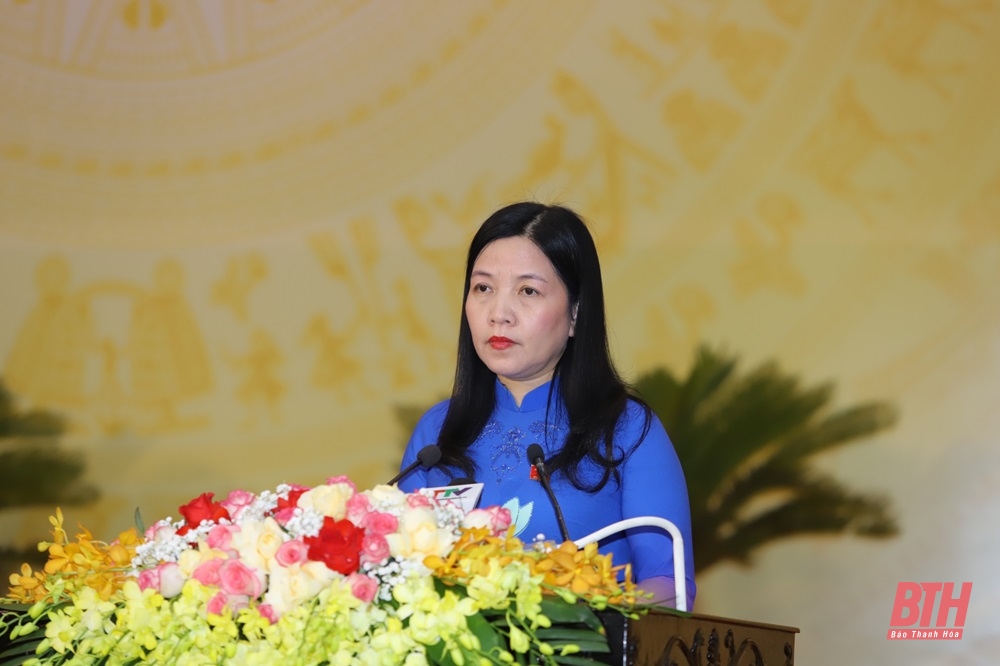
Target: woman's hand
{"x": 663, "y": 591}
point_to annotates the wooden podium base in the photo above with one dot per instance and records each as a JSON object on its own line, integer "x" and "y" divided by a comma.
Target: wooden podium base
{"x": 665, "y": 639}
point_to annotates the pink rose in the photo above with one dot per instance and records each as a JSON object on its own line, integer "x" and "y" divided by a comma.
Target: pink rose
{"x": 283, "y": 515}
{"x": 160, "y": 531}
{"x": 495, "y": 518}
{"x": 268, "y": 613}
{"x": 236, "y": 578}
{"x": 358, "y": 506}
{"x": 171, "y": 579}
{"x": 362, "y": 587}
{"x": 149, "y": 578}
{"x": 374, "y": 548}
{"x": 166, "y": 578}
{"x": 416, "y": 501}
{"x": 221, "y": 536}
{"x": 218, "y": 604}
{"x": 292, "y": 552}
{"x": 333, "y": 480}
{"x": 237, "y": 502}
{"x": 207, "y": 573}
{"x": 380, "y": 523}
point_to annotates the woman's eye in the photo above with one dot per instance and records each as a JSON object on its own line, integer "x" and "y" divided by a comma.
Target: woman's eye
{"x": 529, "y": 291}
{"x": 481, "y": 288}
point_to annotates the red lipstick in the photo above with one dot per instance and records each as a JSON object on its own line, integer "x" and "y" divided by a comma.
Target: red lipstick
{"x": 500, "y": 342}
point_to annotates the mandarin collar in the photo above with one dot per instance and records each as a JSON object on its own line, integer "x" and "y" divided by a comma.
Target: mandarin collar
{"x": 534, "y": 401}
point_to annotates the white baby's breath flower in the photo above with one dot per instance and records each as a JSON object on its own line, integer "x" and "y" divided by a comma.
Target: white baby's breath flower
{"x": 304, "y": 522}
{"x": 262, "y": 505}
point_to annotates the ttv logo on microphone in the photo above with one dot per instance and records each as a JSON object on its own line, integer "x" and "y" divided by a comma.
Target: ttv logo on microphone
{"x": 915, "y": 602}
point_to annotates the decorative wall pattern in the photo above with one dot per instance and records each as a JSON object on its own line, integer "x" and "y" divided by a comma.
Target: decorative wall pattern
{"x": 232, "y": 238}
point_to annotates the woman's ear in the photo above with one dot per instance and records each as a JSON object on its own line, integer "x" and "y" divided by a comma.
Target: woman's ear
{"x": 572, "y": 319}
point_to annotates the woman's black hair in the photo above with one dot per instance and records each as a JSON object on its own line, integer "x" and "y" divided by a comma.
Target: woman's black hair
{"x": 594, "y": 395}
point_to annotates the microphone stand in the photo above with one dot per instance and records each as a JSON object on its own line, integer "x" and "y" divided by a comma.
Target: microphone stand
{"x": 427, "y": 457}
{"x": 537, "y": 459}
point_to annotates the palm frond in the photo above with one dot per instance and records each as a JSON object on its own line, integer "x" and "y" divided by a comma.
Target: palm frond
{"x": 745, "y": 440}
{"x": 846, "y": 426}
{"x": 823, "y": 506}
{"x": 31, "y": 423}
{"x": 782, "y": 468}
{"x": 675, "y": 401}
{"x": 744, "y": 489}
{"x": 38, "y": 473}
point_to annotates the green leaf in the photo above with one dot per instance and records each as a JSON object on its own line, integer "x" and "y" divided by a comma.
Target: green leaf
{"x": 17, "y": 661}
{"x": 489, "y": 637}
{"x": 600, "y": 647}
{"x": 670, "y": 610}
{"x": 575, "y": 660}
{"x": 436, "y": 654}
{"x": 570, "y": 634}
{"x": 561, "y": 612}
{"x": 22, "y": 646}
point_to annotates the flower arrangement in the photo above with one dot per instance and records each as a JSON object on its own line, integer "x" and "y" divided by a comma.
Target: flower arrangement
{"x": 321, "y": 575}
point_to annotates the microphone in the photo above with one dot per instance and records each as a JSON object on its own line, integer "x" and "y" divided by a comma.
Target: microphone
{"x": 536, "y": 456}
{"x": 461, "y": 481}
{"x": 427, "y": 457}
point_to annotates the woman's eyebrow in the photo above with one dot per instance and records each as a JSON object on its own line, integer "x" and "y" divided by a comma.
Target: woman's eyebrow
{"x": 524, "y": 276}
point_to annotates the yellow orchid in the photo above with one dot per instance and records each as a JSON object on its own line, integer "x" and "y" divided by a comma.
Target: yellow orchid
{"x": 85, "y": 562}
{"x": 23, "y": 585}
{"x": 583, "y": 572}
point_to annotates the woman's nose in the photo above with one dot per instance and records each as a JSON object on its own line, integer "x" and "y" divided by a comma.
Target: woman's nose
{"x": 497, "y": 317}
{"x": 501, "y": 312}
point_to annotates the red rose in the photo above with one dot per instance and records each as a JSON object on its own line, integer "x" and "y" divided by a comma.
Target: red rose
{"x": 199, "y": 509}
{"x": 293, "y": 498}
{"x": 338, "y": 545}
{"x": 285, "y": 509}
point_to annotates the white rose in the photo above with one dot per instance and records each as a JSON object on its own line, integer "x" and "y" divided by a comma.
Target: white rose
{"x": 191, "y": 559}
{"x": 257, "y": 543}
{"x": 386, "y": 496}
{"x": 288, "y": 587}
{"x": 419, "y": 535}
{"x": 329, "y": 500}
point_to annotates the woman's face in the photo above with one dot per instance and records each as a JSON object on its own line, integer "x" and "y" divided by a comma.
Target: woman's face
{"x": 519, "y": 313}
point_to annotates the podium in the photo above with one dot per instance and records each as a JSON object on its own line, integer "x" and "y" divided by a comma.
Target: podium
{"x": 664, "y": 639}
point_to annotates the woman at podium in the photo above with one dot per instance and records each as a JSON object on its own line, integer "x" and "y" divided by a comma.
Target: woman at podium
{"x": 534, "y": 368}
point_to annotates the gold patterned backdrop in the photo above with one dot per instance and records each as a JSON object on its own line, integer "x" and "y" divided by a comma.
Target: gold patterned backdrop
{"x": 232, "y": 236}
